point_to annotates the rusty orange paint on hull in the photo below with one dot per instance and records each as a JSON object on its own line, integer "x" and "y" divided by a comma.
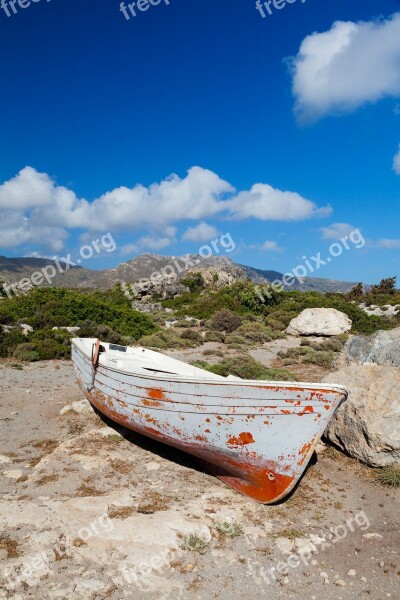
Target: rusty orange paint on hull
{"x": 244, "y": 438}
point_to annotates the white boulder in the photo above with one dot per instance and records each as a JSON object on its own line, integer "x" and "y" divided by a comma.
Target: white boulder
{"x": 319, "y": 321}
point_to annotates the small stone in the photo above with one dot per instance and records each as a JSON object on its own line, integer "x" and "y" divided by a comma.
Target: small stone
{"x": 152, "y": 466}
{"x": 363, "y": 579}
{"x": 381, "y": 563}
{"x": 324, "y": 575}
{"x": 340, "y": 582}
{"x": 351, "y": 573}
{"x": 14, "y": 474}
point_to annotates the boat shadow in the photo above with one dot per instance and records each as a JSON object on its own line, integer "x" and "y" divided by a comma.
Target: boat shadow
{"x": 183, "y": 458}
{"x": 155, "y": 447}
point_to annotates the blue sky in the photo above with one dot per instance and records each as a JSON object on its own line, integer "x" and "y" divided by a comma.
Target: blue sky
{"x": 286, "y": 141}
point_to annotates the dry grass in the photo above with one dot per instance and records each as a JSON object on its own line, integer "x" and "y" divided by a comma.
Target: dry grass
{"x": 87, "y": 489}
{"x": 121, "y": 466}
{"x": 47, "y": 479}
{"x": 9, "y": 545}
{"x": 154, "y": 503}
{"x": 120, "y": 512}
{"x": 47, "y": 446}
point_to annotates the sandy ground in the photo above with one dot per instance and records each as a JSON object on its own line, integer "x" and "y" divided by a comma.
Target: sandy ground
{"x": 90, "y": 510}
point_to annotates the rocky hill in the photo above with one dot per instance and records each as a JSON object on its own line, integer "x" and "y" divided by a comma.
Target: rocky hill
{"x": 13, "y": 270}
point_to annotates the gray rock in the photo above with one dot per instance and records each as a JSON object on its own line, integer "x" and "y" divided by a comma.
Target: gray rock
{"x": 72, "y": 330}
{"x": 319, "y": 321}
{"x": 381, "y": 348}
{"x": 367, "y": 425}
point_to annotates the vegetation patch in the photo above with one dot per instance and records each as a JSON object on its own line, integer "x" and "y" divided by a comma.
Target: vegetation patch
{"x": 229, "y": 529}
{"x": 389, "y": 475}
{"x": 246, "y": 367}
{"x": 120, "y": 512}
{"x": 9, "y": 545}
{"x": 154, "y": 503}
{"x": 195, "y": 543}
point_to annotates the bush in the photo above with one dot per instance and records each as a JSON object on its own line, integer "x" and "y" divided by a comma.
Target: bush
{"x": 247, "y": 367}
{"x": 102, "y": 332}
{"x": 192, "y": 335}
{"x": 195, "y": 282}
{"x": 53, "y": 307}
{"x": 214, "y": 336}
{"x": 26, "y": 352}
{"x": 275, "y": 324}
{"x": 225, "y": 320}
{"x": 235, "y": 339}
{"x": 167, "y": 339}
{"x": 322, "y": 359}
{"x": 9, "y": 341}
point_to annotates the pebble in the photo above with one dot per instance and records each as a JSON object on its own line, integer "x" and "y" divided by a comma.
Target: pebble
{"x": 351, "y": 573}
{"x": 363, "y": 579}
{"x": 340, "y": 582}
{"x": 152, "y": 466}
{"x": 381, "y": 564}
{"x": 14, "y": 474}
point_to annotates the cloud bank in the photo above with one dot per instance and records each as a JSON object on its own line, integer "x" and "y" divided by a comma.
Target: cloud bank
{"x": 35, "y": 210}
{"x": 351, "y": 64}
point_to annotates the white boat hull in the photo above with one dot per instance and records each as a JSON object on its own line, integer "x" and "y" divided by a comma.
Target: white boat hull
{"x": 256, "y": 436}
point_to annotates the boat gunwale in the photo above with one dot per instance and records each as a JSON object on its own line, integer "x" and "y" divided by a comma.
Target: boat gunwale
{"x": 256, "y": 383}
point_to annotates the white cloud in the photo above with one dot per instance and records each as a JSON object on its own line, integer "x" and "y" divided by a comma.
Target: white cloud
{"x": 336, "y": 231}
{"x": 270, "y": 246}
{"x": 200, "y": 233}
{"x": 396, "y": 162}
{"x": 34, "y": 210}
{"x": 149, "y": 242}
{"x": 269, "y": 204}
{"x": 343, "y": 68}
{"x": 388, "y": 244}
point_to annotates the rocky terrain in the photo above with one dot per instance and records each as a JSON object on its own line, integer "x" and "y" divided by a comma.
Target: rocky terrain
{"x": 91, "y": 510}
{"x": 12, "y": 270}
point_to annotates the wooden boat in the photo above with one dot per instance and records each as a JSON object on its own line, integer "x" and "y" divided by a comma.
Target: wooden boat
{"x": 256, "y": 436}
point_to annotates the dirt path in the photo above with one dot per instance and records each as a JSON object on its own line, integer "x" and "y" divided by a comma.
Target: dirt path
{"x": 88, "y": 510}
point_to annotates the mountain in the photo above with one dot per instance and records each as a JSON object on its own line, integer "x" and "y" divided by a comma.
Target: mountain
{"x": 13, "y": 270}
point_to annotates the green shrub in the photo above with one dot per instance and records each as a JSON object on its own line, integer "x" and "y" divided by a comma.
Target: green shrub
{"x": 26, "y": 352}
{"x": 275, "y": 324}
{"x": 168, "y": 339}
{"x": 9, "y": 341}
{"x": 247, "y": 367}
{"x": 322, "y": 359}
{"x": 53, "y": 307}
{"x": 214, "y": 336}
{"x": 235, "y": 339}
{"x": 193, "y": 336}
{"x": 102, "y": 332}
{"x": 195, "y": 282}
{"x": 389, "y": 475}
{"x": 225, "y": 320}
